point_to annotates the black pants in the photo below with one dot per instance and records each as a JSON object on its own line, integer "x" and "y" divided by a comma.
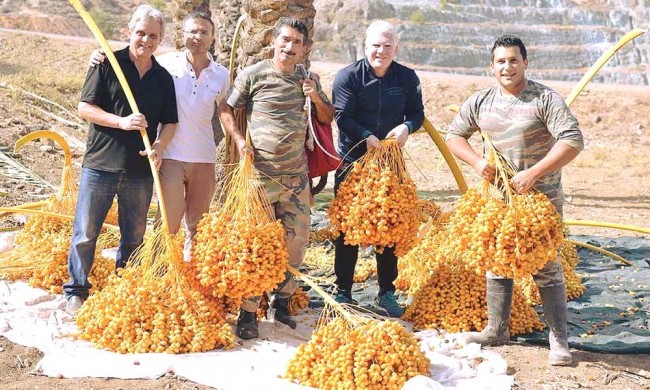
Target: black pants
{"x": 345, "y": 259}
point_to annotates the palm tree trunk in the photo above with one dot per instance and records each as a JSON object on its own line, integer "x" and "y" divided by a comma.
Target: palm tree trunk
{"x": 180, "y": 9}
{"x": 258, "y": 28}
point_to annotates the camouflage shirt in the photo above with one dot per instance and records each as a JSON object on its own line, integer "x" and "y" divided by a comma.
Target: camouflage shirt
{"x": 276, "y": 117}
{"x": 524, "y": 128}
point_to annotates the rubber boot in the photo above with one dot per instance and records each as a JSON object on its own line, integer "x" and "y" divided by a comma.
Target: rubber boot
{"x": 499, "y": 302}
{"x": 280, "y": 307}
{"x": 555, "y": 313}
{"x": 247, "y": 325}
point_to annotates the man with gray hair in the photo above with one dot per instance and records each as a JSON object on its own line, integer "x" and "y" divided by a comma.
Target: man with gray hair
{"x": 115, "y": 163}
{"x": 374, "y": 98}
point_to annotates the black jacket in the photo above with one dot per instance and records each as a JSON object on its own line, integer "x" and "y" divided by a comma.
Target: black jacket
{"x": 369, "y": 105}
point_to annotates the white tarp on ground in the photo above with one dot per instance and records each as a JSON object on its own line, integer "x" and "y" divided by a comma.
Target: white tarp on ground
{"x": 32, "y": 317}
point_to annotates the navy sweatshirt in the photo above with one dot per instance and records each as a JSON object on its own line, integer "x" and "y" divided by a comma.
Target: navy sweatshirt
{"x": 369, "y": 105}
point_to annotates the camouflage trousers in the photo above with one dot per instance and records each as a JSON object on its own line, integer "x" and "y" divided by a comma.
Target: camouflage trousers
{"x": 551, "y": 275}
{"x": 290, "y": 199}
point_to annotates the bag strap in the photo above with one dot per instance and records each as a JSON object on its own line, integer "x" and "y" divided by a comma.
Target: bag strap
{"x": 310, "y": 124}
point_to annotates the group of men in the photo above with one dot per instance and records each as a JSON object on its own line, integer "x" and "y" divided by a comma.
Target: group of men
{"x": 372, "y": 99}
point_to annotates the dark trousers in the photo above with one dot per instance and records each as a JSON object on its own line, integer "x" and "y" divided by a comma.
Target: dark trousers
{"x": 345, "y": 259}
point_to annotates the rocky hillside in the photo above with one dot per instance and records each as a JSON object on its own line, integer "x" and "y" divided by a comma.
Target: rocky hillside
{"x": 564, "y": 36}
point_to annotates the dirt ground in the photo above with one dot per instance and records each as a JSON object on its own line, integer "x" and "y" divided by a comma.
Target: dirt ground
{"x": 607, "y": 182}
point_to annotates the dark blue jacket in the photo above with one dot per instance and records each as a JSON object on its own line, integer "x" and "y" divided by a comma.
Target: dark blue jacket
{"x": 369, "y": 105}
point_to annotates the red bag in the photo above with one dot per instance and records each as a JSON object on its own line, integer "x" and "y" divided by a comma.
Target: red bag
{"x": 324, "y": 158}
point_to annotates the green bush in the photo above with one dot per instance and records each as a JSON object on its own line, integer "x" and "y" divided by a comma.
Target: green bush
{"x": 417, "y": 16}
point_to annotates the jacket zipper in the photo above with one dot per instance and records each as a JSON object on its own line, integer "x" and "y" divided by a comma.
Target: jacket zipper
{"x": 378, "y": 109}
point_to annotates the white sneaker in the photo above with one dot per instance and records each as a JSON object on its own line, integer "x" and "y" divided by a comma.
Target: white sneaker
{"x": 73, "y": 305}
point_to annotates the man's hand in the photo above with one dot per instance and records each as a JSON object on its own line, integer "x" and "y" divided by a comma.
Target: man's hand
{"x": 97, "y": 57}
{"x": 243, "y": 148}
{"x": 309, "y": 89}
{"x": 522, "y": 181}
{"x": 400, "y": 133}
{"x": 133, "y": 122}
{"x": 372, "y": 142}
{"x": 485, "y": 170}
{"x": 155, "y": 155}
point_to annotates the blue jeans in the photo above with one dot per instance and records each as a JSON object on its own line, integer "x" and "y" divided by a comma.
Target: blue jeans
{"x": 96, "y": 192}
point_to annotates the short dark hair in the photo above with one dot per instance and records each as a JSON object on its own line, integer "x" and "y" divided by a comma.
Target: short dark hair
{"x": 509, "y": 40}
{"x": 293, "y": 23}
{"x": 199, "y": 15}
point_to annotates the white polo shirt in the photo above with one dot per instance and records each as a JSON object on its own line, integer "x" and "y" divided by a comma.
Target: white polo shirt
{"x": 195, "y": 98}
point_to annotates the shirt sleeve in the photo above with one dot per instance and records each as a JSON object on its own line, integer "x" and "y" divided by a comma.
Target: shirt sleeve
{"x": 465, "y": 123}
{"x": 93, "y": 88}
{"x": 239, "y": 92}
{"x": 345, "y": 102}
{"x": 414, "y": 115}
{"x": 560, "y": 121}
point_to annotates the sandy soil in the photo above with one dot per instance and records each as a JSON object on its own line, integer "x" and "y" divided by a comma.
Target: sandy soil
{"x": 606, "y": 182}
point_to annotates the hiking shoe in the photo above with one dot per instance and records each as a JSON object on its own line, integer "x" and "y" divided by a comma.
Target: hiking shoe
{"x": 342, "y": 297}
{"x": 281, "y": 314}
{"x": 73, "y": 304}
{"x": 247, "y": 325}
{"x": 390, "y": 305}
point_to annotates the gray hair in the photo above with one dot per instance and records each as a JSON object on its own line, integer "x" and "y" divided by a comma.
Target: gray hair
{"x": 384, "y": 28}
{"x": 145, "y": 11}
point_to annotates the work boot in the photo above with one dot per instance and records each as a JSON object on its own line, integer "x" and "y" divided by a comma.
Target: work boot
{"x": 555, "y": 313}
{"x": 247, "y": 325}
{"x": 390, "y": 305}
{"x": 499, "y": 302}
{"x": 280, "y": 313}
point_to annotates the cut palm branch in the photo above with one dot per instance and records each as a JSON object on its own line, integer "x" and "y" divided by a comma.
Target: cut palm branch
{"x": 13, "y": 169}
{"x": 632, "y": 228}
{"x": 65, "y": 200}
{"x": 600, "y": 62}
{"x": 600, "y": 250}
{"x": 449, "y": 158}
{"x": 41, "y": 249}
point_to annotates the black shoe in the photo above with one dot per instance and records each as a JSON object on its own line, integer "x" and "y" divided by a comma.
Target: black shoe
{"x": 281, "y": 314}
{"x": 247, "y": 325}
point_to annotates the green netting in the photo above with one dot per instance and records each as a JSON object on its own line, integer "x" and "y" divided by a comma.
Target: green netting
{"x": 613, "y": 315}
